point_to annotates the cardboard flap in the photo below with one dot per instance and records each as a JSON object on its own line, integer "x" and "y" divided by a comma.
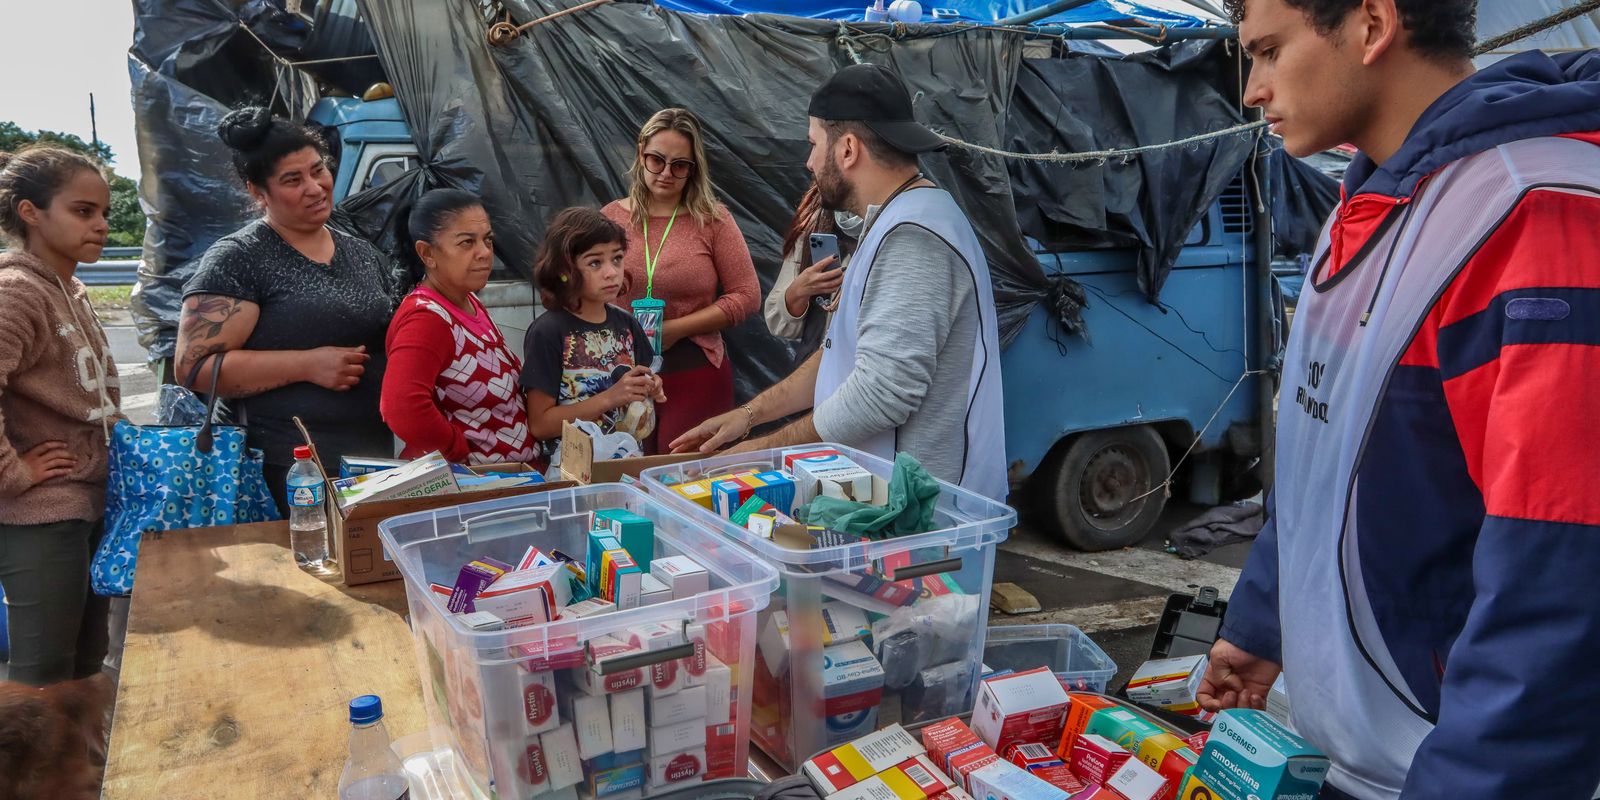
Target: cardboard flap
{"x": 577, "y": 454}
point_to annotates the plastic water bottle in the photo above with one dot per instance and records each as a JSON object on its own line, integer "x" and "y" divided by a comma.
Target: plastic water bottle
{"x": 308, "y": 519}
{"x": 373, "y": 771}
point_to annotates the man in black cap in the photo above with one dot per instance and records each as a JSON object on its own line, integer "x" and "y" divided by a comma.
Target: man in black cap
{"x": 912, "y": 358}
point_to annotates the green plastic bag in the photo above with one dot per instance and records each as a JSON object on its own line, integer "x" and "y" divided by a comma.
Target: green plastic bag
{"x": 913, "y": 494}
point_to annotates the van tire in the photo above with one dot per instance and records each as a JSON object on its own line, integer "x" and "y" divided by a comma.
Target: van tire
{"x": 1092, "y": 486}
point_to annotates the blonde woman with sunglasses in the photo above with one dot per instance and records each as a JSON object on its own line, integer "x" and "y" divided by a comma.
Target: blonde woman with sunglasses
{"x": 684, "y": 250}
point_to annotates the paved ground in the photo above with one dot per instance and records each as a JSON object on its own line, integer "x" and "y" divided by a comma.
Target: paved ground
{"x": 1115, "y": 597}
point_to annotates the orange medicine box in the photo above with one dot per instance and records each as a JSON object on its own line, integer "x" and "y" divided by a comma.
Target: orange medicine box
{"x": 1080, "y": 707}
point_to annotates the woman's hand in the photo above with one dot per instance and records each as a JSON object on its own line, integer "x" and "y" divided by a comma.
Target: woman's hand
{"x": 336, "y": 368}
{"x": 638, "y": 384}
{"x": 48, "y": 460}
{"x": 818, "y": 280}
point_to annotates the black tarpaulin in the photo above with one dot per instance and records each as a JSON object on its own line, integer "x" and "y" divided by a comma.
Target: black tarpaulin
{"x": 1302, "y": 199}
{"x": 550, "y": 120}
{"x": 1082, "y": 103}
{"x": 190, "y": 63}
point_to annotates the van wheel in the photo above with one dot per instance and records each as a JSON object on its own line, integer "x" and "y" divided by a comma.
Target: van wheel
{"x": 1100, "y": 488}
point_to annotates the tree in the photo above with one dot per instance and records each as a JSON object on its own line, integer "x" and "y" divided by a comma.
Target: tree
{"x": 127, "y": 217}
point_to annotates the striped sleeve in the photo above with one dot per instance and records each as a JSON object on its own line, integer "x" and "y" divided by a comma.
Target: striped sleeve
{"x": 1517, "y": 343}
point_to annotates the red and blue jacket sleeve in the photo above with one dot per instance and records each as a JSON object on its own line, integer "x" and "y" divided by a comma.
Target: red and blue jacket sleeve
{"x": 1252, "y": 621}
{"x": 1518, "y": 341}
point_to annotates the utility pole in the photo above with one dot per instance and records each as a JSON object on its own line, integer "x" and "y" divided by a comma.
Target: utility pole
{"x": 94, "y": 129}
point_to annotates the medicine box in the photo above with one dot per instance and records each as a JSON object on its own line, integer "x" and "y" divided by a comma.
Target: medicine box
{"x": 852, "y": 688}
{"x": 1249, "y": 752}
{"x": 1004, "y": 780}
{"x": 636, "y": 533}
{"x": 1024, "y": 707}
{"x": 847, "y": 764}
{"x": 1126, "y": 728}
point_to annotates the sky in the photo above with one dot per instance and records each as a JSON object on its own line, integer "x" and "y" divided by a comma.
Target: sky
{"x": 72, "y": 48}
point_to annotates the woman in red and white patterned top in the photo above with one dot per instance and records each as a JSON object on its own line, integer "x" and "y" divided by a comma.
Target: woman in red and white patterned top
{"x": 452, "y": 384}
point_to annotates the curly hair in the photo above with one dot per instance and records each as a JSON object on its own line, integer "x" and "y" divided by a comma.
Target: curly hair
{"x": 1440, "y": 29}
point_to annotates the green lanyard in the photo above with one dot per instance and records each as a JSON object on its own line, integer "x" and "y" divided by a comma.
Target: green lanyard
{"x": 650, "y": 263}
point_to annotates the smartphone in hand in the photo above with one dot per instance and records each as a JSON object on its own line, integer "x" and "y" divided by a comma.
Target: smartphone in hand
{"x": 824, "y": 245}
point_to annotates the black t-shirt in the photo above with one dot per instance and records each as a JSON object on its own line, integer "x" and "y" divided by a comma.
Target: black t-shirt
{"x": 571, "y": 359}
{"x": 306, "y": 305}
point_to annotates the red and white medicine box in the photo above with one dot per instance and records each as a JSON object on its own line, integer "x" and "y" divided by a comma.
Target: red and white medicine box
{"x": 1023, "y": 707}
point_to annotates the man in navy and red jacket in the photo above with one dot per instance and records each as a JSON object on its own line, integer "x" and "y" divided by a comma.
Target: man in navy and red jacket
{"x": 1429, "y": 577}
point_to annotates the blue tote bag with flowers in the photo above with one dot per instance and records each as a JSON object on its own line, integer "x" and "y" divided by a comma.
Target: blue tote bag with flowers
{"x": 167, "y": 477}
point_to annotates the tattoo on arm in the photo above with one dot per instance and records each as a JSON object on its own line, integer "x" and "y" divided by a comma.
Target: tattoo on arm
{"x": 209, "y": 314}
{"x": 193, "y": 357}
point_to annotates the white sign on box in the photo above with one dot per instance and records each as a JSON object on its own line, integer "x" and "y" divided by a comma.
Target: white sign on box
{"x": 629, "y": 729}
{"x": 685, "y": 704}
{"x": 680, "y": 736}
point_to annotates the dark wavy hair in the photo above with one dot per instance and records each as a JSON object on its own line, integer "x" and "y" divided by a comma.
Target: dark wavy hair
{"x": 555, "y": 270}
{"x": 427, "y": 217}
{"x": 259, "y": 141}
{"x": 1440, "y": 29}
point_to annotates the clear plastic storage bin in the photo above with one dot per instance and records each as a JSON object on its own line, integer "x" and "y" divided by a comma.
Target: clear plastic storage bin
{"x": 924, "y": 600}
{"x": 525, "y": 711}
{"x": 1078, "y": 662}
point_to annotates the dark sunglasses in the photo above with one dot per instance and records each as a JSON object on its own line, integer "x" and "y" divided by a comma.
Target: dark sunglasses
{"x": 681, "y": 168}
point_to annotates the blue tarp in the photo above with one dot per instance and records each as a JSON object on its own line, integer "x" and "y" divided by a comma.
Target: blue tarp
{"x": 947, "y": 10}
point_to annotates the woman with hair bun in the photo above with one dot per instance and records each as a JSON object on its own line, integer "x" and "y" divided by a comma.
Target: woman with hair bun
{"x": 300, "y": 310}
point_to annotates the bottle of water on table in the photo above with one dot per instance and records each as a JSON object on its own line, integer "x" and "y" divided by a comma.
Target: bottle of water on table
{"x": 373, "y": 771}
{"x": 308, "y": 519}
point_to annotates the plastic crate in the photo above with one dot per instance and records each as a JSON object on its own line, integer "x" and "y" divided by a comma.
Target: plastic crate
{"x": 1077, "y": 661}
{"x": 492, "y": 697}
{"x": 925, "y": 598}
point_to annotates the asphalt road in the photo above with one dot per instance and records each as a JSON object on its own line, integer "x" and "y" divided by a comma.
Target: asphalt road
{"x": 1116, "y": 597}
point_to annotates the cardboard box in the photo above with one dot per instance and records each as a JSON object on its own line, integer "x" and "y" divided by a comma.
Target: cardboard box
{"x": 852, "y": 688}
{"x": 1135, "y": 781}
{"x": 945, "y": 737}
{"x": 836, "y": 476}
{"x": 1096, "y": 758}
{"x": 1031, "y": 754}
{"x": 1026, "y": 707}
{"x": 590, "y": 680}
{"x": 1251, "y": 753}
{"x": 423, "y": 477}
{"x": 697, "y": 492}
{"x": 677, "y": 737}
{"x": 578, "y": 466}
{"x": 682, "y": 767}
{"x": 1004, "y": 780}
{"x": 637, "y": 534}
{"x": 594, "y": 606}
{"x": 795, "y": 454}
{"x": 722, "y": 747}
{"x": 561, "y": 757}
{"x": 630, "y": 730}
{"x": 590, "y": 716}
{"x": 1060, "y": 777}
{"x": 1154, "y": 749}
{"x": 683, "y": 575}
{"x": 353, "y": 532}
{"x": 1167, "y": 682}
{"x": 614, "y": 776}
{"x": 355, "y": 466}
{"x": 527, "y": 596}
{"x": 1080, "y": 707}
{"x": 538, "y": 690}
{"x": 1175, "y": 767}
{"x": 1195, "y": 789}
{"x": 653, "y": 591}
{"x": 913, "y": 779}
{"x": 686, "y": 704}
{"x": 848, "y": 764}
{"x": 965, "y": 762}
{"x": 841, "y": 623}
{"x": 1126, "y": 728}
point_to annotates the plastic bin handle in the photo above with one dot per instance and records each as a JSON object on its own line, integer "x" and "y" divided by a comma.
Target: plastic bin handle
{"x": 925, "y": 569}
{"x": 623, "y": 663}
{"x": 499, "y": 524}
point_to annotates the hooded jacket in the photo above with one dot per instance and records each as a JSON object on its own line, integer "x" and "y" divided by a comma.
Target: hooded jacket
{"x": 1428, "y": 570}
{"x": 52, "y": 390}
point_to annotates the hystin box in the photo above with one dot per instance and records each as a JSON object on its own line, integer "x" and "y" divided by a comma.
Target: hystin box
{"x": 1250, "y": 753}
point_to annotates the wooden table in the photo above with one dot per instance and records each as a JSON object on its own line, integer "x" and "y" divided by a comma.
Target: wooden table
{"x": 239, "y": 668}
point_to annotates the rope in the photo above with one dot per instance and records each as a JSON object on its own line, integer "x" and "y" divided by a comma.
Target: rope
{"x": 287, "y": 63}
{"x": 1537, "y": 26}
{"x": 1166, "y": 483}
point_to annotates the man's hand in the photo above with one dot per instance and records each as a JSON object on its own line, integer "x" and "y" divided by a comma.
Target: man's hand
{"x": 1236, "y": 679}
{"x": 715, "y": 433}
{"x": 48, "y": 460}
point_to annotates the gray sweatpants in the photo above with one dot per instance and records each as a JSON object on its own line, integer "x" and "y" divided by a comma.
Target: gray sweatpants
{"x": 56, "y": 623}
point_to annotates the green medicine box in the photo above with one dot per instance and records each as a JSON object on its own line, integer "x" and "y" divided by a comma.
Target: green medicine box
{"x": 637, "y": 534}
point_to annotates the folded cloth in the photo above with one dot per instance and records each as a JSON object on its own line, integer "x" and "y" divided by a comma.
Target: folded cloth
{"x": 913, "y": 494}
{"x": 792, "y": 787}
{"x": 1220, "y": 526}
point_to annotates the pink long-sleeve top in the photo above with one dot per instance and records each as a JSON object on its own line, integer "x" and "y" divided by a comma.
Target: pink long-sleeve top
{"x": 700, "y": 266}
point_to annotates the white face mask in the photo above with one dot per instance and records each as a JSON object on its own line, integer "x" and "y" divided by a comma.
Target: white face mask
{"x": 849, "y": 224}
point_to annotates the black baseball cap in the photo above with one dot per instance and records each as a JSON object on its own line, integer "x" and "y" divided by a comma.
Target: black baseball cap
{"x": 877, "y": 98}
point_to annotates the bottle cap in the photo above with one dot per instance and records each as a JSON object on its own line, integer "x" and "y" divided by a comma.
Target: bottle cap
{"x": 302, "y": 452}
{"x": 366, "y": 708}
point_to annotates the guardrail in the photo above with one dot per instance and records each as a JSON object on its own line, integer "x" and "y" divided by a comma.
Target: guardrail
{"x": 118, "y": 266}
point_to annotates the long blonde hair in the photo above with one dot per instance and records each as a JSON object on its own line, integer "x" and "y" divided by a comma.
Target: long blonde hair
{"x": 698, "y": 197}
